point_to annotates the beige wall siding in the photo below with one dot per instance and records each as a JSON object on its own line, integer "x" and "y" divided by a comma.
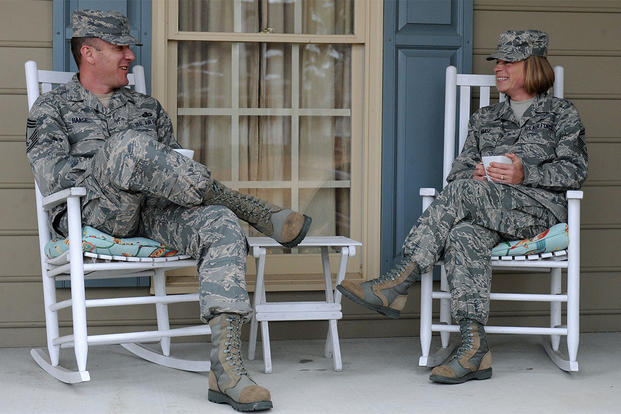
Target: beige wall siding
{"x": 25, "y": 33}
{"x": 584, "y": 39}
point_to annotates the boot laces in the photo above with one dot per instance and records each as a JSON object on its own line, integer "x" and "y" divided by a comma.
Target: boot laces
{"x": 467, "y": 342}
{"x": 233, "y": 346}
{"x": 247, "y": 205}
{"x": 395, "y": 272}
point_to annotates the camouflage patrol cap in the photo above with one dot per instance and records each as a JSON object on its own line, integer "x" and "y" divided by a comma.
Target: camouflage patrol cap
{"x": 515, "y": 45}
{"x": 111, "y": 26}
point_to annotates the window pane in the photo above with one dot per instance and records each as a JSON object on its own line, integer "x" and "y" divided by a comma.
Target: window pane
{"x": 265, "y": 148}
{"x": 325, "y": 76}
{"x": 327, "y": 17}
{"x": 204, "y": 75}
{"x": 206, "y": 15}
{"x": 265, "y": 75}
{"x": 325, "y": 148}
{"x": 210, "y": 138}
{"x": 329, "y": 208}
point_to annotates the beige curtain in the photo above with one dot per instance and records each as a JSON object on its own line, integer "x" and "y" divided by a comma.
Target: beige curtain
{"x": 204, "y": 81}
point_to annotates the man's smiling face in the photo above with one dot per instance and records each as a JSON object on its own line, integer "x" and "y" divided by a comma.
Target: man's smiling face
{"x": 111, "y": 64}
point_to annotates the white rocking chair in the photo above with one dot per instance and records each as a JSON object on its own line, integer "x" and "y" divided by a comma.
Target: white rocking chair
{"x": 553, "y": 262}
{"x": 77, "y": 266}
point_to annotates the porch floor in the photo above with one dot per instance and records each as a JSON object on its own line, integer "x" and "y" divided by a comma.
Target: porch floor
{"x": 379, "y": 376}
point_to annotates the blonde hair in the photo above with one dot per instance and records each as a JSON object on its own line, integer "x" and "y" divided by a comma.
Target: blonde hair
{"x": 539, "y": 75}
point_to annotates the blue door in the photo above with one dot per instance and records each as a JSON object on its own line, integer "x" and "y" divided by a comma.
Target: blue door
{"x": 421, "y": 38}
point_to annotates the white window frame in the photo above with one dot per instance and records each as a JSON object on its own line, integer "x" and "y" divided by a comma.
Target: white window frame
{"x": 296, "y": 272}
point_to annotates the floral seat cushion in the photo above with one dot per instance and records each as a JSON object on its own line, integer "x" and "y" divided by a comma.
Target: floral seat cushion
{"x": 553, "y": 239}
{"x": 98, "y": 242}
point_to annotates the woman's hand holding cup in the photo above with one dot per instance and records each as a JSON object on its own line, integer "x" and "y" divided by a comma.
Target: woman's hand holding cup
{"x": 503, "y": 169}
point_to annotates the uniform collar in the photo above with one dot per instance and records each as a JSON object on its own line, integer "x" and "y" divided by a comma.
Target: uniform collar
{"x": 77, "y": 93}
{"x": 506, "y": 113}
{"x": 542, "y": 103}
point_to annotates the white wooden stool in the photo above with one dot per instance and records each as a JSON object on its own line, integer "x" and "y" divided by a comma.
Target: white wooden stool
{"x": 329, "y": 310}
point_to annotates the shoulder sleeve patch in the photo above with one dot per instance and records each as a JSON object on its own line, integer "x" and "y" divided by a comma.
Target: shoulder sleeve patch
{"x": 32, "y": 134}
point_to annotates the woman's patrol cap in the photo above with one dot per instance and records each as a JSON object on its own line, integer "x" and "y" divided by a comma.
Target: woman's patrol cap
{"x": 111, "y": 26}
{"x": 516, "y": 45}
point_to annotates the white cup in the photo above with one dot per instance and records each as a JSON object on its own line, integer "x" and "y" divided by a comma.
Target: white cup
{"x": 185, "y": 152}
{"x": 501, "y": 159}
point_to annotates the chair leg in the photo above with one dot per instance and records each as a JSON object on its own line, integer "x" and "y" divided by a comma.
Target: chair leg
{"x": 573, "y": 281}
{"x": 78, "y": 295}
{"x": 80, "y": 336}
{"x": 336, "y": 347}
{"x": 555, "y": 307}
{"x": 332, "y": 348}
{"x": 161, "y": 309}
{"x": 327, "y": 346}
{"x": 573, "y": 314}
{"x": 445, "y": 308}
{"x": 327, "y": 276}
{"x": 51, "y": 318}
{"x": 425, "y": 317}
{"x": 573, "y": 322}
{"x": 267, "y": 353}
{"x": 259, "y": 298}
{"x": 252, "y": 341}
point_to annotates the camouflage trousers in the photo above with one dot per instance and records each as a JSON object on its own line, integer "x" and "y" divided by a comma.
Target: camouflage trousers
{"x": 462, "y": 225}
{"x": 139, "y": 186}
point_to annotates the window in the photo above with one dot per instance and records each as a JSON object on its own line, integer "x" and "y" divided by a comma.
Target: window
{"x": 269, "y": 94}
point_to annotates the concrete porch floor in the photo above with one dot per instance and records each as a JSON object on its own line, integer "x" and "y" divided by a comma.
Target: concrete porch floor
{"x": 379, "y": 376}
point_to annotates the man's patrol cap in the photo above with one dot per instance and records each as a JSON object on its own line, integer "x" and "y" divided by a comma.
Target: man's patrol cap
{"x": 516, "y": 45}
{"x": 111, "y": 26}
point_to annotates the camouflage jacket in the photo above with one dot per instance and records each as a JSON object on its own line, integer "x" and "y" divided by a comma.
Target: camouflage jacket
{"x": 67, "y": 126}
{"x": 549, "y": 139}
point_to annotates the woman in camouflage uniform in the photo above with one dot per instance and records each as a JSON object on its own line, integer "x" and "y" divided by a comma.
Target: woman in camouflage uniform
{"x": 544, "y": 138}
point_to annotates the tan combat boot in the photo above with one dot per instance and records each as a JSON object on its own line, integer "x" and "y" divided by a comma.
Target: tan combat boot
{"x": 229, "y": 382}
{"x": 472, "y": 360}
{"x": 284, "y": 225}
{"x": 387, "y": 294}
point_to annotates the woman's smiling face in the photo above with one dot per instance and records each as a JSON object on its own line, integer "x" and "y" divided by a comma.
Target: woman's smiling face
{"x": 510, "y": 78}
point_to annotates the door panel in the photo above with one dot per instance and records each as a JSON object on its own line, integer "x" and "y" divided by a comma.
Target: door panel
{"x": 421, "y": 38}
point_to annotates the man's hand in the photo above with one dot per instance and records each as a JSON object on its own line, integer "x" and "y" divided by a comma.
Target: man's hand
{"x": 507, "y": 173}
{"x": 479, "y": 173}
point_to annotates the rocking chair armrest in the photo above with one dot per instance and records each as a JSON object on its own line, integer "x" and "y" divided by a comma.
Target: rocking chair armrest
{"x": 428, "y": 195}
{"x": 573, "y": 222}
{"x": 428, "y": 192}
{"x": 62, "y": 196}
{"x": 573, "y": 209}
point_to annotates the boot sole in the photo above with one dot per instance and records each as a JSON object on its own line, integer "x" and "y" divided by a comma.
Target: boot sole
{"x": 220, "y": 398}
{"x": 386, "y": 311}
{"x": 301, "y": 234}
{"x": 476, "y": 375}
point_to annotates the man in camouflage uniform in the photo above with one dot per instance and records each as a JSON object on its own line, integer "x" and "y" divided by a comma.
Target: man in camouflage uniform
{"x": 544, "y": 138}
{"x": 118, "y": 144}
